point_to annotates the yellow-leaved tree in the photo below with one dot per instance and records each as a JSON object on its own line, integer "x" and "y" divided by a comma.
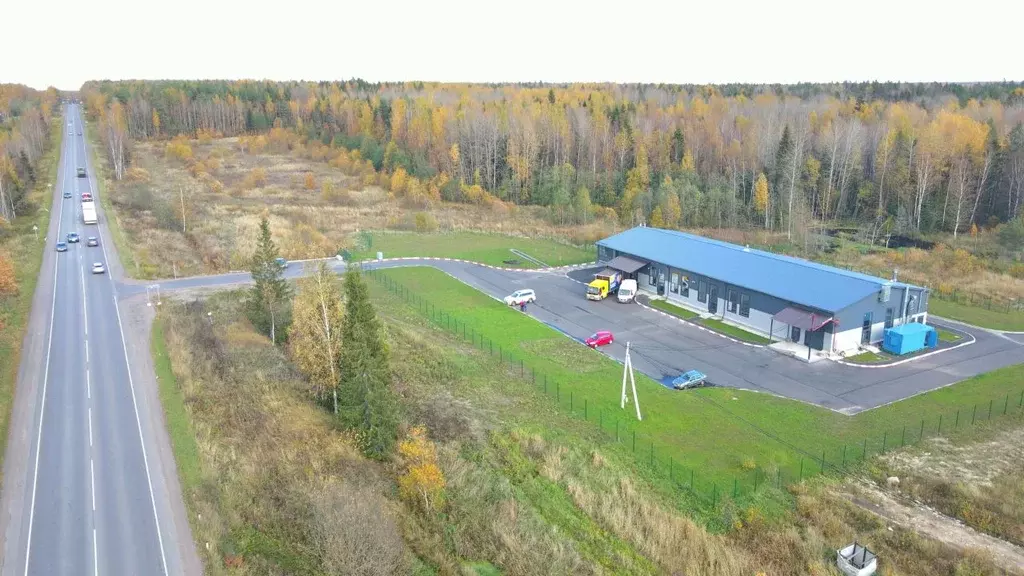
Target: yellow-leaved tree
{"x": 657, "y": 221}
{"x": 8, "y": 282}
{"x": 314, "y": 339}
{"x": 310, "y": 181}
{"x": 761, "y": 197}
{"x": 422, "y": 483}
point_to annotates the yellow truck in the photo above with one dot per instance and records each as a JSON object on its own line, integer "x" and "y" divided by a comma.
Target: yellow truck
{"x": 604, "y": 283}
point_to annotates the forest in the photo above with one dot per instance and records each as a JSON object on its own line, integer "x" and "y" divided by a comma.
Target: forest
{"x": 892, "y": 158}
{"x": 25, "y": 116}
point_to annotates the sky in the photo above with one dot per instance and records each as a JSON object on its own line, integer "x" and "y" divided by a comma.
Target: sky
{"x": 63, "y": 43}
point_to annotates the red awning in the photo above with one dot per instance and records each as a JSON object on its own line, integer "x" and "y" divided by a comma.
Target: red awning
{"x": 803, "y": 319}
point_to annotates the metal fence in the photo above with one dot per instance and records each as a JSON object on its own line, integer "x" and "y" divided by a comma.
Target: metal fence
{"x": 708, "y": 489}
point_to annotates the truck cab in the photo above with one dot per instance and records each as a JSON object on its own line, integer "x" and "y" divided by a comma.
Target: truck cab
{"x": 604, "y": 283}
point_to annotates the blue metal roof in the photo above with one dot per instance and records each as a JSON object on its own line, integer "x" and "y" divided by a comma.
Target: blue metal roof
{"x": 799, "y": 281}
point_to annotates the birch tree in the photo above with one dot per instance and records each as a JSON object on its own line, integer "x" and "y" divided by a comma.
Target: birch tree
{"x": 314, "y": 339}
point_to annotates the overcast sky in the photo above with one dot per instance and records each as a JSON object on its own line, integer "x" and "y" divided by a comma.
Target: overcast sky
{"x": 64, "y": 43}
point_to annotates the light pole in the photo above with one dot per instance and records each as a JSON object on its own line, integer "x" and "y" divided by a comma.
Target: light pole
{"x": 150, "y": 289}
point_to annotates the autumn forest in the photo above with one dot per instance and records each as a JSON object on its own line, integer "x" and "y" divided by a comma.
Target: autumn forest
{"x": 905, "y": 158}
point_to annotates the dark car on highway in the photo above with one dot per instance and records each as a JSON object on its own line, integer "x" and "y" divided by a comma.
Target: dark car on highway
{"x": 81, "y": 172}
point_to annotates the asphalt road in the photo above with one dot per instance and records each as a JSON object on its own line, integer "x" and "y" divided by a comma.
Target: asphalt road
{"x": 665, "y": 347}
{"x": 81, "y": 493}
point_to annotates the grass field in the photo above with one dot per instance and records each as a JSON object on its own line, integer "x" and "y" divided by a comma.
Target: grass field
{"x": 733, "y": 331}
{"x": 977, "y": 316}
{"x": 25, "y": 249}
{"x": 724, "y": 434}
{"x": 869, "y": 357}
{"x": 947, "y": 336}
{"x": 677, "y": 311}
{"x": 493, "y": 249}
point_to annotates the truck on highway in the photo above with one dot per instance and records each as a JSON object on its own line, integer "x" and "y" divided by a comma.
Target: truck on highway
{"x": 604, "y": 283}
{"x": 88, "y": 212}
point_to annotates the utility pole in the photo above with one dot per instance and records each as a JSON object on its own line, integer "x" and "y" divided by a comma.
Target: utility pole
{"x": 181, "y": 192}
{"x": 627, "y": 369}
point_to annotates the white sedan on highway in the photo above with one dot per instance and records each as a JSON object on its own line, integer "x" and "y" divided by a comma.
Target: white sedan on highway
{"x": 98, "y": 268}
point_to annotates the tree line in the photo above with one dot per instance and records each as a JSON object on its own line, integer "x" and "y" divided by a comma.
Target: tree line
{"x": 905, "y": 158}
{"x": 25, "y": 116}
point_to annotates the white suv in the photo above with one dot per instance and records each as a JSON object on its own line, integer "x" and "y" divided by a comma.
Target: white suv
{"x": 520, "y": 296}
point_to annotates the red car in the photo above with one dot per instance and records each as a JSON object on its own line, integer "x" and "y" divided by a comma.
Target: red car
{"x": 601, "y": 338}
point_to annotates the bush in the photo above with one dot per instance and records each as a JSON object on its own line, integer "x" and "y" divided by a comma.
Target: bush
{"x": 353, "y": 535}
{"x": 1011, "y": 235}
{"x": 422, "y": 483}
{"x": 425, "y": 222}
{"x": 256, "y": 178}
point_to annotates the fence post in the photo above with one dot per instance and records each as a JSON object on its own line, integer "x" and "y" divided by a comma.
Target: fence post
{"x": 634, "y": 440}
{"x": 779, "y": 478}
{"x": 864, "y": 454}
{"x": 956, "y": 423}
{"x": 735, "y": 487}
{"x": 601, "y": 419}
{"x": 921, "y": 436}
{"x": 885, "y": 435}
{"x": 691, "y": 479}
{"x": 714, "y": 494}
{"x": 822, "y": 462}
{"x": 616, "y": 429}
{"x": 940, "y": 424}
{"x": 545, "y": 383}
{"x": 671, "y": 474}
{"x": 1021, "y": 401}
{"x": 558, "y": 392}
{"x": 585, "y": 409}
{"x": 491, "y": 342}
{"x": 990, "y": 409}
{"x": 801, "y": 469}
{"x": 904, "y": 438}
{"x": 652, "y": 453}
{"x": 570, "y": 401}
{"x": 755, "y": 479}
{"x": 844, "y": 455}
{"x": 1005, "y": 404}
{"x": 521, "y": 372}
{"x": 974, "y": 414}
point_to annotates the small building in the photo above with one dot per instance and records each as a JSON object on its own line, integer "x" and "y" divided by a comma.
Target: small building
{"x": 781, "y": 297}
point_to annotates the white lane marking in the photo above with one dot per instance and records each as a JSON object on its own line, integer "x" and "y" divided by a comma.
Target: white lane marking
{"x": 88, "y": 385}
{"x": 95, "y": 557}
{"x": 135, "y": 405}
{"x": 85, "y": 309}
{"x": 46, "y": 377}
{"x": 90, "y": 425}
{"x": 87, "y": 352}
{"x": 92, "y": 481}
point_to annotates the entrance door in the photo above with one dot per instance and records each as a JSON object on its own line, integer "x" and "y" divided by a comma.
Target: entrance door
{"x": 794, "y": 333}
{"x": 713, "y": 299}
{"x": 865, "y": 331}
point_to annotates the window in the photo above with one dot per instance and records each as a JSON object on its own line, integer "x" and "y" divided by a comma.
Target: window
{"x": 702, "y": 291}
{"x": 734, "y": 300}
{"x": 745, "y": 305}
{"x": 888, "y": 317}
{"x": 912, "y": 304}
{"x": 674, "y": 285}
{"x": 685, "y": 287}
{"x": 652, "y": 277}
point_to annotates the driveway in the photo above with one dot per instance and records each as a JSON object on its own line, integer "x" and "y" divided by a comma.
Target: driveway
{"x": 664, "y": 347}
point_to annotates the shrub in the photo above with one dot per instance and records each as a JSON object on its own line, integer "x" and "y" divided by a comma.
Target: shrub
{"x": 309, "y": 182}
{"x": 8, "y": 282}
{"x": 355, "y": 534}
{"x": 256, "y": 178}
{"x": 425, "y": 222}
{"x": 422, "y": 484}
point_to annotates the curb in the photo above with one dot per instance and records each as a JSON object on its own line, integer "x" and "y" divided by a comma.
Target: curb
{"x": 905, "y": 360}
{"x": 698, "y": 326}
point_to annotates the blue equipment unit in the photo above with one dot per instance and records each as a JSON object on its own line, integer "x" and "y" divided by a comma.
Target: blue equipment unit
{"x": 910, "y": 337}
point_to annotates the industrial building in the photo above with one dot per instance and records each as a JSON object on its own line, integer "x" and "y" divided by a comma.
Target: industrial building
{"x": 784, "y": 298}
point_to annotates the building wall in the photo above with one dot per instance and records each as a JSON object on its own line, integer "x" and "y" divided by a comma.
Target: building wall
{"x": 851, "y": 319}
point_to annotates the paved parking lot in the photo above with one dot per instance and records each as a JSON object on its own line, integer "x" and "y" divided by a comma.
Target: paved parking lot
{"x": 665, "y": 347}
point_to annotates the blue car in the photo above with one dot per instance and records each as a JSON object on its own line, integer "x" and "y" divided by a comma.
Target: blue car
{"x": 691, "y": 379}
{"x": 62, "y": 247}
{"x": 72, "y": 237}
{"x": 281, "y": 262}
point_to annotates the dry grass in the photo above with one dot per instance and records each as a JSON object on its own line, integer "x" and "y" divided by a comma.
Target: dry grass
{"x": 315, "y": 206}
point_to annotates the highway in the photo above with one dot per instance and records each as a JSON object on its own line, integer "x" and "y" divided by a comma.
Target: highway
{"x": 83, "y": 493}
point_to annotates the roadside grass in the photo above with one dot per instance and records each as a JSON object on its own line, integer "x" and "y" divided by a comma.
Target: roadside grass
{"x": 677, "y": 311}
{"x": 868, "y": 357}
{"x": 101, "y": 169}
{"x": 977, "y": 316}
{"x": 947, "y": 336}
{"x": 183, "y": 439}
{"x": 733, "y": 331}
{"x": 729, "y": 437}
{"x": 493, "y": 249}
{"x": 26, "y": 252}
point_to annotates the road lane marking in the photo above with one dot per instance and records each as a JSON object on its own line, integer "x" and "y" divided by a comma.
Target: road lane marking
{"x": 92, "y": 480}
{"x": 87, "y": 352}
{"x": 46, "y": 377}
{"x": 90, "y": 425}
{"x": 95, "y": 557}
{"x": 85, "y": 309}
{"x": 135, "y": 405}
{"x": 88, "y": 385}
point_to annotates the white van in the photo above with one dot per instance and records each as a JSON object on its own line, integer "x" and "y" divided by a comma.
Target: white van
{"x": 627, "y": 291}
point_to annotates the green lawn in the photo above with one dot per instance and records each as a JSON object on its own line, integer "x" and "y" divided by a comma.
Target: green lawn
{"x": 947, "y": 336}
{"x": 977, "y": 316}
{"x": 733, "y": 331}
{"x": 672, "y": 309}
{"x": 868, "y": 357}
{"x": 722, "y": 434}
{"x": 25, "y": 247}
{"x": 491, "y": 249}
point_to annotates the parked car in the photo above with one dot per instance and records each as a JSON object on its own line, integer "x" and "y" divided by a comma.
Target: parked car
{"x": 67, "y": 194}
{"x": 627, "y": 291}
{"x": 73, "y": 237}
{"x": 98, "y": 268}
{"x": 691, "y": 379}
{"x": 62, "y": 247}
{"x": 281, "y": 262}
{"x": 600, "y": 338}
{"x": 92, "y": 241}
{"x": 519, "y": 296}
